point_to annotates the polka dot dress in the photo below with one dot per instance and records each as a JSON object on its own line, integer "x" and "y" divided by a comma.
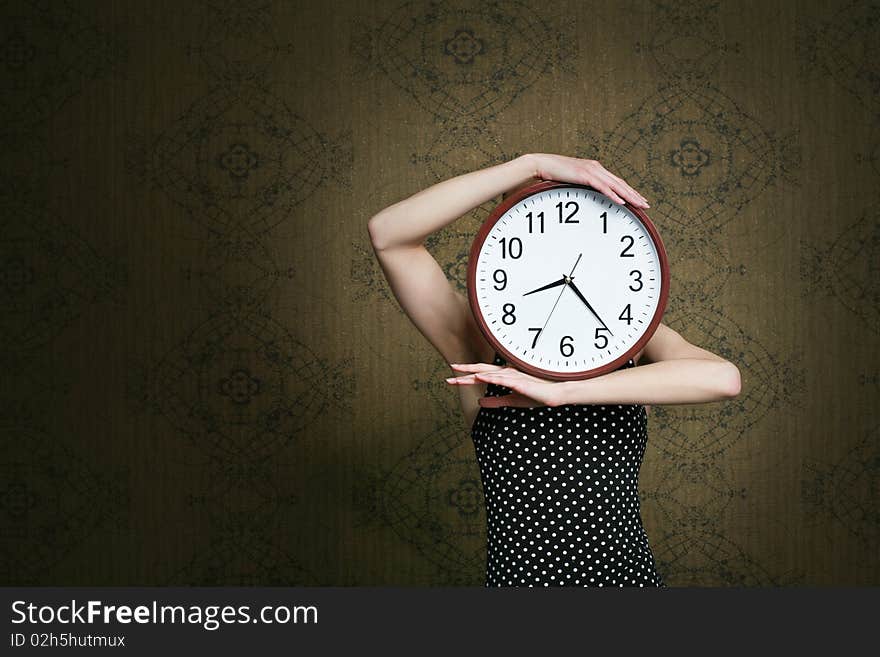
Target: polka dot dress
{"x": 561, "y": 489}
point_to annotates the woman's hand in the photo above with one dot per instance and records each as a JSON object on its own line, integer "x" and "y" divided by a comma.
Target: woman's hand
{"x": 586, "y": 172}
{"x": 528, "y": 390}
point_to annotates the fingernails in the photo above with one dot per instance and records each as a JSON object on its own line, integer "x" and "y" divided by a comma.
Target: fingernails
{"x": 450, "y": 380}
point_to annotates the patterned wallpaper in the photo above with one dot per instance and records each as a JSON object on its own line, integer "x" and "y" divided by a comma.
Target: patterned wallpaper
{"x": 208, "y": 381}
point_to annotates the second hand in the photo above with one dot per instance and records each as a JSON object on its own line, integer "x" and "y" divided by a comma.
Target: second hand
{"x": 541, "y": 332}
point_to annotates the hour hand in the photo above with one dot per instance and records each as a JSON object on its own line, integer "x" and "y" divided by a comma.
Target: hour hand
{"x": 561, "y": 281}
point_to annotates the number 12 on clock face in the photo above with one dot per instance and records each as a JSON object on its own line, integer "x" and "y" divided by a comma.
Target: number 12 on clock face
{"x": 565, "y": 281}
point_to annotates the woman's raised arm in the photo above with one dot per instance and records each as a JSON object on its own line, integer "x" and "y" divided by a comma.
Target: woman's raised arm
{"x": 410, "y": 221}
{"x": 438, "y": 310}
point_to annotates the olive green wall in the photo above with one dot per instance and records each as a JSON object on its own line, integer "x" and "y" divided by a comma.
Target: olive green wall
{"x": 207, "y": 381}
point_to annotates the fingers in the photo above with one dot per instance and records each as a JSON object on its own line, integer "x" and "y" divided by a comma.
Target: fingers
{"x": 512, "y": 380}
{"x": 513, "y": 399}
{"x": 604, "y": 185}
{"x": 508, "y": 378}
{"x": 632, "y": 195}
{"x": 623, "y": 190}
{"x": 479, "y": 377}
{"x": 475, "y": 367}
{"x": 617, "y": 188}
{"x": 463, "y": 380}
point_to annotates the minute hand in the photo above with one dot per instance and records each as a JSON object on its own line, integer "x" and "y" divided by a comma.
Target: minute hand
{"x": 587, "y": 304}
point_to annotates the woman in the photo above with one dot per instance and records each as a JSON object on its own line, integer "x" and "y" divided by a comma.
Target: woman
{"x": 559, "y": 461}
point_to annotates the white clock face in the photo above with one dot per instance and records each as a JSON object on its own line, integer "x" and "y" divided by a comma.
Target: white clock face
{"x": 600, "y": 273}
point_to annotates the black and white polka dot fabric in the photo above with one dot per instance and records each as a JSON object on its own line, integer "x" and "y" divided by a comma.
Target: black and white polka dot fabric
{"x": 561, "y": 489}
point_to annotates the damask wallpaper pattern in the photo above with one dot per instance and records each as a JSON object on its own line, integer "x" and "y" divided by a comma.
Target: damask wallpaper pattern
{"x": 208, "y": 380}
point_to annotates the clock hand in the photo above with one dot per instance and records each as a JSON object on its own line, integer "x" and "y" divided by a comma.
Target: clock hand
{"x": 565, "y": 279}
{"x": 561, "y": 281}
{"x": 587, "y": 303}
{"x": 541, "y": 332}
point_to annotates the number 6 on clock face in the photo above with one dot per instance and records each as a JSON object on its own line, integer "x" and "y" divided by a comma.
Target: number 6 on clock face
{"x": 565, "y": 283}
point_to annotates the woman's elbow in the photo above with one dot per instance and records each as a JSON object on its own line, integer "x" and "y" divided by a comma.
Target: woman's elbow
{"x": 378, "y": 235}
{"x": 732, "y": 383}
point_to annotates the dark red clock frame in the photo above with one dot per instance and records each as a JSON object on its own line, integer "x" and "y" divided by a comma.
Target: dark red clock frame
{"x": 512, "y": 358}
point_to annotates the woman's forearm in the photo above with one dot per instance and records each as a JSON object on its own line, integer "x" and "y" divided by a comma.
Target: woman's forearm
{"x": 413, "y": 219}
{"x": 677, "y": 381}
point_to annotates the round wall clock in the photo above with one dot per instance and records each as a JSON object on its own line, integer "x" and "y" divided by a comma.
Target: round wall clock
{"x": 565, "y": 283}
